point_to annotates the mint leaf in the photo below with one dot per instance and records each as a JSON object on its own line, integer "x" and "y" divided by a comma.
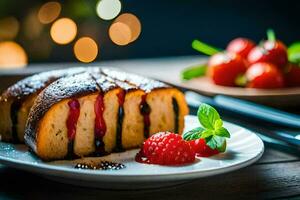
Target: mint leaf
{"x": 215, "y": 142}
{"x": 207, "y": 116}
{"x": 193, "y": 134}
{"x": 213, "y": 132}
{"x": 211, "y": 142}
{"x": 218, "y": 124}
{"x": 222, "y": 132}
{"x": 223, "y": 147}
{"x": 193, "y": 72}
{"x": 207, "y": 133}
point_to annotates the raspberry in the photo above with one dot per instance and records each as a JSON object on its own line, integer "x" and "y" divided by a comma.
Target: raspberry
{"x": 201, "y": 149}
{"x": 166, "y": 148}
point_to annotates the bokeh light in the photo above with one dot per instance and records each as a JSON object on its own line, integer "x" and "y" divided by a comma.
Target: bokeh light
{"x": 120, "y": 33}
{"x": 108, "y": 9}
{"x": 125, "y": 29}
{"x": 49, "y": 12}
{"x": 86, "y": 49}
{"x": 63, "y": 31}
{"x": 9, "y": 28}
{"x": 12, "y": 55}
{"x": 133, "y": 23}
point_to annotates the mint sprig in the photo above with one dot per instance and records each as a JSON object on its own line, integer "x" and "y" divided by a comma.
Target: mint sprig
{"x": 193, "y": 134}
{"x": 213, "y": 131}
{"x": 208, "y": 117}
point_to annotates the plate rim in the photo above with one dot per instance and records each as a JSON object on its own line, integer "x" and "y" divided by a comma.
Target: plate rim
{"x": 60, "y": 171}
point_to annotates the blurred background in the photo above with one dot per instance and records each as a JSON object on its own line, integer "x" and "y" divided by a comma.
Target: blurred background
{"x": 36, "y": 31}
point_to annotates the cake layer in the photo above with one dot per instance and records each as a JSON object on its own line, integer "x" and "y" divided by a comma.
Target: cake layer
{"x": 17, "y": 100}
{"x": 99, "y": 112}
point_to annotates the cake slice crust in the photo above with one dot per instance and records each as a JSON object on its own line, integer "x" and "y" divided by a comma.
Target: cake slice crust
{"x": 123, "y": 122}
{"x": 16, "y": 101}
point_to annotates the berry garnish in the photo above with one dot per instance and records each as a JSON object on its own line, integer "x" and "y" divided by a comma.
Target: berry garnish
{"x": 166, "y": 148}
{"x": 240, "y": 46}
{"x": 270, "y": 51}
{"x": 229, "y": 67}
{"x": 227, "y": 63}
{"x": 210, "y": 139}
{"x": 264, "y": 75}
{"x": 273, "y": 52}
{"x": 202, "y": 149}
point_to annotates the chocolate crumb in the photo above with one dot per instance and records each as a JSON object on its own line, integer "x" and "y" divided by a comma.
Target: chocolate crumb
{"x": 103, "y": 165}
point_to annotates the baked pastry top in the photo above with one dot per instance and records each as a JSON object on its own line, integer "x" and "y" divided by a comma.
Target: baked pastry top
{"x": 96, "y": 111}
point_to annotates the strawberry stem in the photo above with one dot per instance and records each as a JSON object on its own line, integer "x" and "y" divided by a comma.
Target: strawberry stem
{"x": 204, "y": 48}
{"x": 241, "y": 80}
{"x": 193, "y": 72}
{"x": 271, "y": 35}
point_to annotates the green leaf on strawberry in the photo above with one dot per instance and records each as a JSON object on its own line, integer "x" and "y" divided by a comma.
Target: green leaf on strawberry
{"x": 208, "y": 116}
{"x": 213, "y": 131}
{"x": 206, "y": 133}
{"x": 223, "y": 147}
{"x": 222, "y": 132}
{"x": 215, "y": 142}
{"x": 193, "y": 134}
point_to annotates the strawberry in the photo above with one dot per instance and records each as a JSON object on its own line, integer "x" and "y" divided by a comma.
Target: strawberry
{"x": 201, "y": 149}
{"x": 210, "y": 139}
{"x": 166, "y": 148}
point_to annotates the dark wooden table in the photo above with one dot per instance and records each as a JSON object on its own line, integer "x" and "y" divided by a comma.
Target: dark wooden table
{"x": 275, "y": 176}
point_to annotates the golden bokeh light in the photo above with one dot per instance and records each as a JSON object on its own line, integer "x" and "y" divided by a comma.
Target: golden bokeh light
{"x": 9, "y": 28}
{"x": 49, "y": 12}
{"x": 12, "y": 55}
{"x": 63, "y": 31}
{"x": 86, "y": 49}
{"x": 132, "y": 22}
{"x": 120, "y": 33}
{"x": 108, "y": 9}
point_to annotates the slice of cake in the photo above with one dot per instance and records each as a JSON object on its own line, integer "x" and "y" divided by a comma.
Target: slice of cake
{"x": 17, "y": 100}
{"x": 99, "y": 112}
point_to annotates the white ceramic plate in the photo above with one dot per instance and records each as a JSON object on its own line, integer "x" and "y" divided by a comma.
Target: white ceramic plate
{"x": 243, "y": 149}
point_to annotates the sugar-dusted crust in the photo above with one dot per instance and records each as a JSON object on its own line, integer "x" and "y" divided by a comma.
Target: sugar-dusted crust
{"x": 137, "y": 81}
{"x": 34, "y": 83}
{"x": 16, "y": 101}
{"x": 46, "y": 132}
{"x": 64, "y": 88}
